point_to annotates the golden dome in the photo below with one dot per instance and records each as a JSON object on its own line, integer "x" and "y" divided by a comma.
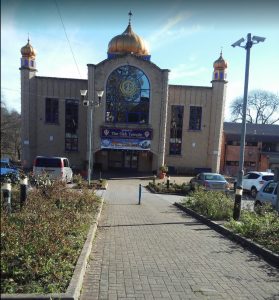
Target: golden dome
{"x": 220, "y": 63}
{"x": 128, "y": 42}
{"x": 28, "y": 51}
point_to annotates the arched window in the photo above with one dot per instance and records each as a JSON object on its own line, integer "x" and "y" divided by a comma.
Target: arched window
{"x": 127, "y": 96}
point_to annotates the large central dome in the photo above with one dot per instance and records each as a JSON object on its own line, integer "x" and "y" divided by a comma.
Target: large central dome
{"x": 128, "y": 42}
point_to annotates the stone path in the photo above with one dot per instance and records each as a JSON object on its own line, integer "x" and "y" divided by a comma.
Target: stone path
{"x": 155, "y": 251}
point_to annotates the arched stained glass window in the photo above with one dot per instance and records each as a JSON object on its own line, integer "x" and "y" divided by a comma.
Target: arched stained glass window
{"x": 127, "y": 96}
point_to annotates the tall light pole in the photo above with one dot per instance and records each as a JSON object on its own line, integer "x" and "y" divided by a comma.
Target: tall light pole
{"x": 239, "y": 188}
{"x": 90, "y": 104}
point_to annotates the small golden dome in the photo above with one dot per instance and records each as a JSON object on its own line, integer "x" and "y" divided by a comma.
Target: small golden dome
{"x": 128, "y": 42}
{"x": 28, "y": 51}
{"x": 220, "y": 63}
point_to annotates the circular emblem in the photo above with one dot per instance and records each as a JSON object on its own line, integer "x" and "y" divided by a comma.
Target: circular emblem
{"x": 129, "y": 88}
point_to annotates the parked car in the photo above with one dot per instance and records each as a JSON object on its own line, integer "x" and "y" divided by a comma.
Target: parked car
{"x": 54, "y": 167}
{"x": 268, "y": 193}
{"x": 210, "y": 182}
{"x": 253, "y": 181}
{"x": 9, "y": 171}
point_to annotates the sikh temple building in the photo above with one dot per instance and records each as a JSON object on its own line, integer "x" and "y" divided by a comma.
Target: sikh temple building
{"x": 139, "y": 123}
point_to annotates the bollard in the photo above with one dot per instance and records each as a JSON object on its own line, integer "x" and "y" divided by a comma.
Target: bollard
{"x": 237, "y": 203}
{"x": 168, "y": 182}
{"x": 7, "y": 191}
{"x": 139, "y": 194}
{"x": 23, "y": 190}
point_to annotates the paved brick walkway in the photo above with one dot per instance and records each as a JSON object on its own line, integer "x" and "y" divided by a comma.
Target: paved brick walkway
{"x": 154, "y": 251}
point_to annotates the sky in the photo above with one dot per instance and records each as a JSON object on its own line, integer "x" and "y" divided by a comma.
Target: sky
{"x": 184, "y": 36}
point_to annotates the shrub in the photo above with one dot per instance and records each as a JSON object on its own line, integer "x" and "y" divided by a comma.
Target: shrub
{"x": 161, "y": 187}
{"x": 214, "y": 205}
{"x": 164, "y": 169}
{"x": 80, "y": 183}
{"x": 262, "y": 226}
{"x": 41, "y": 243}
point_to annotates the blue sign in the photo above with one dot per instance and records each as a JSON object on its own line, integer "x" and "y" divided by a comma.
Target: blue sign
{"x": 125, "y": 144}
{"x": 124, "y": 133}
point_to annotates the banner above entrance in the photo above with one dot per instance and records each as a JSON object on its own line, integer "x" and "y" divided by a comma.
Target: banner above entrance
{"x": 124, "y": 133}
{"x": 125, "y": 144}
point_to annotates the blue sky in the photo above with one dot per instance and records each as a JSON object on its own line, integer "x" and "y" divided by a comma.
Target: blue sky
{"x": 183, "y": 36}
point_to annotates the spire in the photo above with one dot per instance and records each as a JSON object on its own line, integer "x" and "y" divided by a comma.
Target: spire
{"x": 220, "y": 66}
{"x": 28, "y": 55}
{"x": 130, "y": 16}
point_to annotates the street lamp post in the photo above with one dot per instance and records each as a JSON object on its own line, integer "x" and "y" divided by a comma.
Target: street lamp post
{"x": 90, "y": 104}
{"x": 239, "y": 188}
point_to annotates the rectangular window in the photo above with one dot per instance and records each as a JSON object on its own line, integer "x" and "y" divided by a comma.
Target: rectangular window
{"x": 195, "y": 118}
{"x": 71, "y": 125}
{"x": 176, "y": 125}
{"x": 52, "y": 111}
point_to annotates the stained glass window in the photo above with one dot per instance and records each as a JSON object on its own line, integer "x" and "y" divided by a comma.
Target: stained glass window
{"x": 177, "y": 112}
{"x": 71, "y": 125}
{"x": 127, "y": 96}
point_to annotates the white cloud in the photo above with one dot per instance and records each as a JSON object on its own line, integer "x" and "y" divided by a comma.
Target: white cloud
{"x": 172, "y": 31}
{"x": 185, "y": 71}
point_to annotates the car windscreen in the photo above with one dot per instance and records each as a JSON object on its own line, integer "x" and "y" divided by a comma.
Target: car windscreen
{"x": 48, "y": 162}
{"x": 268, "y": 177}
{"x": 214, "y": 177}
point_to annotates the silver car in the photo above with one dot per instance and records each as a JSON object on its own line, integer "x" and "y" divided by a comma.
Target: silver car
{"x": 210, "y": 182}
{"x": 267, "y": 194}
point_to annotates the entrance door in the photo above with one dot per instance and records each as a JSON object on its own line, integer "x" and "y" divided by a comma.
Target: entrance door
{"x": 130, "y": 160}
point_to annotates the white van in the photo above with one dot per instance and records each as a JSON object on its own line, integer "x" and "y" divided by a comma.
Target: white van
{"x": 55, "y": 167}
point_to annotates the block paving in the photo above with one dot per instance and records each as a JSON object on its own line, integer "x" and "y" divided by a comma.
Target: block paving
{"x": 155, "y": 251}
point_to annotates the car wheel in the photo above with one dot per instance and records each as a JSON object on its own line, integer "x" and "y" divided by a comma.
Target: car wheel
{"x": 254, "y": 192}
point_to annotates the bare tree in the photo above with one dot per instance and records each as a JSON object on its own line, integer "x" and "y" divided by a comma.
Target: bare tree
{"x": 10, "y": 132}
{"x": 262, "y": 108}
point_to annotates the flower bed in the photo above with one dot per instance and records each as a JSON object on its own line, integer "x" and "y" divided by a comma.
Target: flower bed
{"x": 261, "y": 225}
{"x": 40, "y": 243}
{"x": 162, "y": 187}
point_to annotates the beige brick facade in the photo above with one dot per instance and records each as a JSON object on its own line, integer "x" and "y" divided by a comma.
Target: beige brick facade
{"x": 199, "y": 148}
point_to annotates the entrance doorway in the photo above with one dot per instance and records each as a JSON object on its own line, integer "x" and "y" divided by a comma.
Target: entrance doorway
{"x": 123, "y": 160}
{"x": 130, "y": 160}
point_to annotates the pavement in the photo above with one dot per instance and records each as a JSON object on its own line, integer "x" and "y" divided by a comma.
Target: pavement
{"x": 155, "y": 251}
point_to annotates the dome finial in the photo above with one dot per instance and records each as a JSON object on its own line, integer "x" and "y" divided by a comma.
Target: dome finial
{"x": 28, "y": 50}
{"x": 220, "y": 63}
{"x": 130, "y": 16}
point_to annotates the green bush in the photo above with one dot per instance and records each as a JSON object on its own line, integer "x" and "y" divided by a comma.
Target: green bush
{"x": 41, "y": 243}
{"x": 213, "y": 205}
{"x": 261, "y": 226}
